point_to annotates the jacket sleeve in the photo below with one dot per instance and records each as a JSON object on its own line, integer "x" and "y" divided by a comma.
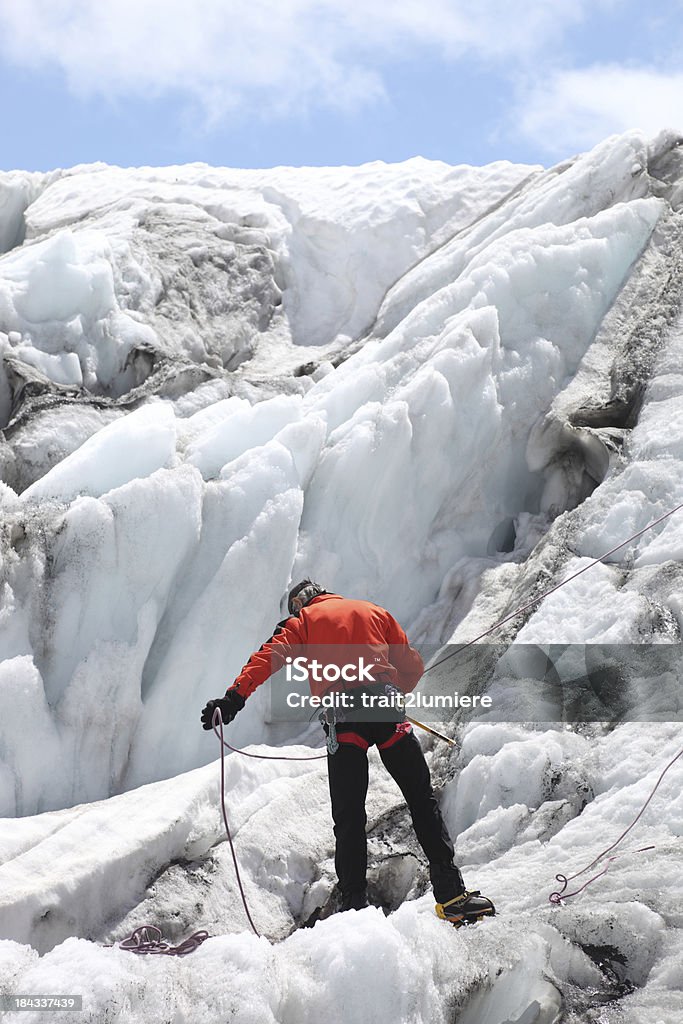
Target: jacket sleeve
{"x": 403, "y": 657}
{"x": 269, "y": 658}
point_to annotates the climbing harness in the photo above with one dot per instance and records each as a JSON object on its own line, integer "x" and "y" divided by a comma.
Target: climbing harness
{"x": 329, "y": 719}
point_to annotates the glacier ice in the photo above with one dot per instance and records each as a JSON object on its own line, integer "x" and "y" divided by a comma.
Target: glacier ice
{"x": 442, "y": 388}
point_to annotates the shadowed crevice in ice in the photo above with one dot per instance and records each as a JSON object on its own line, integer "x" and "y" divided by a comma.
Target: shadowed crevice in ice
{"x": 583, "y": 441}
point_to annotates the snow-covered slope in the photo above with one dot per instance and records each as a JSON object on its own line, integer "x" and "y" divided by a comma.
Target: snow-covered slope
{"x": 441, "y": 388}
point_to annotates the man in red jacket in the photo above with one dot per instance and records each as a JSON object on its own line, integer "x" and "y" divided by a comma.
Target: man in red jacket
{"x": 332, "y": 627}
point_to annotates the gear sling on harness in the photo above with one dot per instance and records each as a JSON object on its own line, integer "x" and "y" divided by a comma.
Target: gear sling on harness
{"x": 329, "y": 722}
{"x": 351, "y": 732}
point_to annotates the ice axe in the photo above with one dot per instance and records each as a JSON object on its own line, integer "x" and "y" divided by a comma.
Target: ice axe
{"x": 434, "y": 732}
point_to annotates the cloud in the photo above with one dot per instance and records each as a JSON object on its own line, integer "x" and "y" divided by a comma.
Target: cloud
{"x": 575, "y": 109}
{"x": 271, "y": 55}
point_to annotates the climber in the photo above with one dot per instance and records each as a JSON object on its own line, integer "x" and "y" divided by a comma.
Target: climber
{"x": 317, "y": 620}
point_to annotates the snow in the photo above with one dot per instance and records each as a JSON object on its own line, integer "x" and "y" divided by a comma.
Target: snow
{"x": 446, "y": 389}
{"x": 59, "y": 295}
{"x": 161, "y": 846}
{"x": 131, "y": 448}
{"x": 244, "y": 428}
{"x": 62, "y": 369}
{"x": 17, "y": 191}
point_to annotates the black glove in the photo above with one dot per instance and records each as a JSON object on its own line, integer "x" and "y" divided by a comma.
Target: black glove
{"x": 229, "y": 705}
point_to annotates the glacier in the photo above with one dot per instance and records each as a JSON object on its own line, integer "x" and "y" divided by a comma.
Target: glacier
{"x": 441, "y": 388}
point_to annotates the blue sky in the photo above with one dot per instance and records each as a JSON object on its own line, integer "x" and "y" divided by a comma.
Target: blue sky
{"x": 256, "y": 83}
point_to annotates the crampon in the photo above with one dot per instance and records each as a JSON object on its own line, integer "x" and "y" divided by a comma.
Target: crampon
{"x": 468, "y": 908}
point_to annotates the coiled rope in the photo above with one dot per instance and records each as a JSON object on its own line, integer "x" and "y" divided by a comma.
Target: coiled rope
{"x": 148, "y": 939}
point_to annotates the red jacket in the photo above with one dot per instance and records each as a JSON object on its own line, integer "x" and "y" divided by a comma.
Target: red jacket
{"x": 355, "y": 629}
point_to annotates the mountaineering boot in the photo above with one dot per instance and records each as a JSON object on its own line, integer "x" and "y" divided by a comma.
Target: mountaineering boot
{"x": 354, "y": 901}
{"x": 468, "y": 908}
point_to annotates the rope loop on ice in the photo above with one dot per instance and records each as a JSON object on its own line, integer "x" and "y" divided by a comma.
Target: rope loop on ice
{"x": 558, "y": 897}
{"x": 148, "y": 939}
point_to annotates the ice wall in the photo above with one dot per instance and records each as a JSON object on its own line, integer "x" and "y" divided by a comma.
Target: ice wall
{"x": 396, "y": 332}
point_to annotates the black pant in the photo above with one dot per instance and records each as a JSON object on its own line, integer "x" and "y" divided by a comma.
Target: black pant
{"x": 405, "y": 762}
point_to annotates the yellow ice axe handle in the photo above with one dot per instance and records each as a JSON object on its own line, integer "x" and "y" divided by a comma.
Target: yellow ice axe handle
{"x": 434, "y": 732}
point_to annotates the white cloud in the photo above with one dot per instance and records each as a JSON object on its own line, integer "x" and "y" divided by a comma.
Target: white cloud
{"x": 573, "y": 110}
{"x": 267, "y": 54}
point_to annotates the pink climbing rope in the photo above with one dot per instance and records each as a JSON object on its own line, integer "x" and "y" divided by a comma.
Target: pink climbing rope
{"x": 218, "y": 720}
{"x": 541, "y": 597}
{"x": 559, "y": 897}
{"x": 148, "y": 939}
